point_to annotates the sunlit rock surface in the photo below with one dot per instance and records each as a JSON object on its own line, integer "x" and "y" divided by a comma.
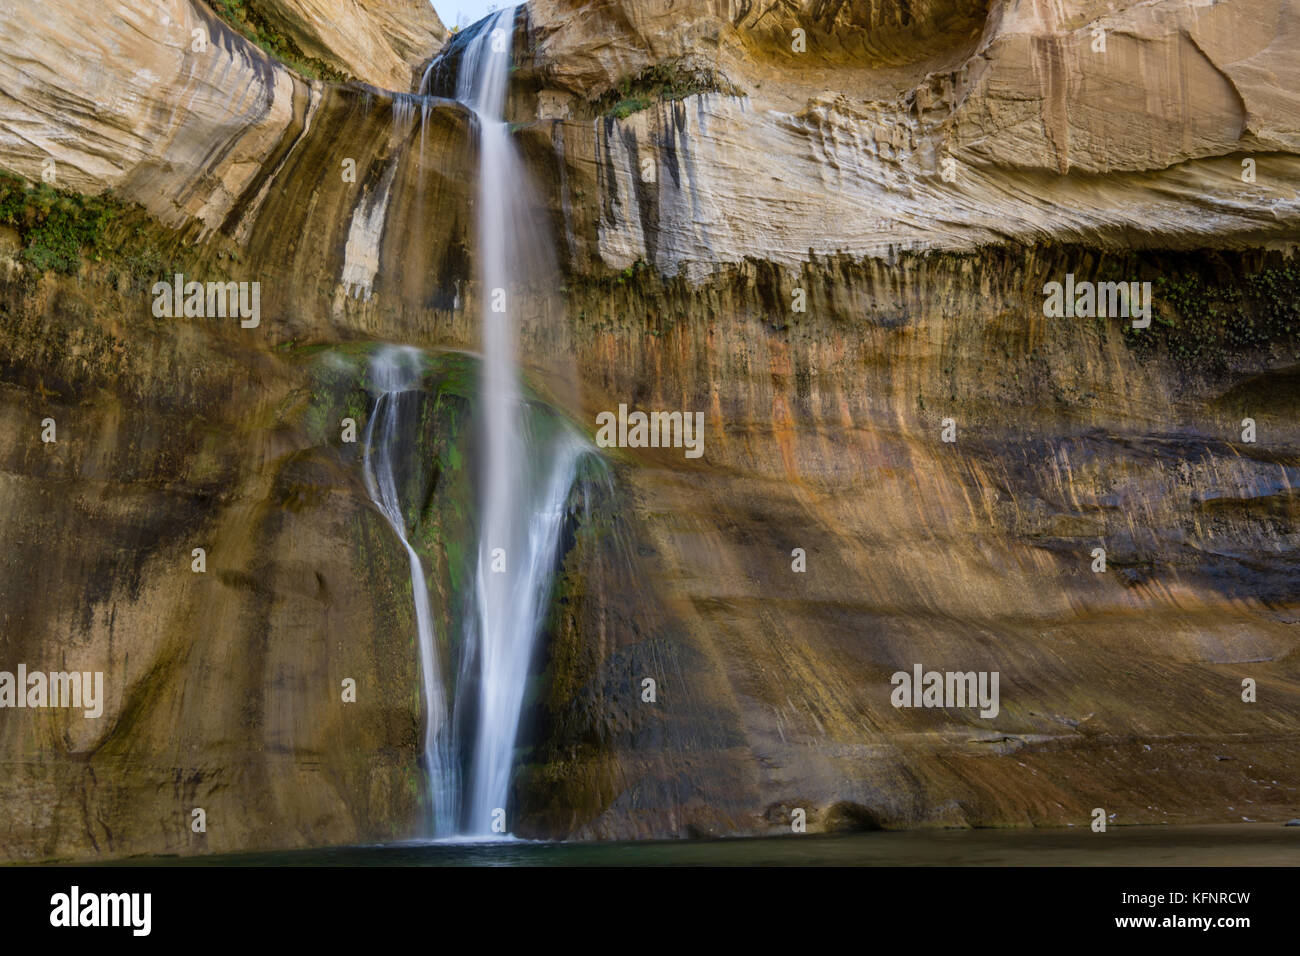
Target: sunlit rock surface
{"x": 940, "y": 130}
{"x": 816, "y": 176}
{"x": 381, "y": 42}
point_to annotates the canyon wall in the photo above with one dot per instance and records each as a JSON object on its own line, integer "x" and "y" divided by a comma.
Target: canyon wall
{"x": 836, "y": 253}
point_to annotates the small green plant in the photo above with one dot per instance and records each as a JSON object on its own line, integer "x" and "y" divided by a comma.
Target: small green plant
{"x": 625, "y": 108}
{"x": 1205, "y": 316}
{"x": 661, "y": 82}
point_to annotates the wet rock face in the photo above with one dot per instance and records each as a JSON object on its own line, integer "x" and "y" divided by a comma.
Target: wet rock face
{"x": 840, "y": 270}
{"x": 825, "y": 449}
{"x": 222, "y": 686}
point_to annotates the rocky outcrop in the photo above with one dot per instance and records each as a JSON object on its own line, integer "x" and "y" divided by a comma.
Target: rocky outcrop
{"x": 380, "y": 42}
{"x": 1075, "y": 123}
{"x": 159, "y": 101}
{"x": 165, "y": 104}
{"x": 963, "y": 144}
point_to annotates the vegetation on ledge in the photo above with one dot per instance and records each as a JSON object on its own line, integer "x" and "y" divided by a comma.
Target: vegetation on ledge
{"x": 58, "y": 227}
{"x": 673, "y": 80}
{"x": 53, "y": 224}
{"x": 1216, "y": 305}
{"x": 251, "y": 23}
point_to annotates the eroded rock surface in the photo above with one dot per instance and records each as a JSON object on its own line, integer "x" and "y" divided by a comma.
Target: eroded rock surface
{"x": 1061, "y": 121}
{"x": 381, "y": 42}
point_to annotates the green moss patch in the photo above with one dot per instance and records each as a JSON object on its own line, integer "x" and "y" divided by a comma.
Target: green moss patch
{"x": 55, "y": 226}
{"x": 59, "y": 229}
{"x": 1206, "y": 314}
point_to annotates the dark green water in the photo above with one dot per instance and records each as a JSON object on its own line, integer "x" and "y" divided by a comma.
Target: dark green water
{"x": 1230, "y": 845}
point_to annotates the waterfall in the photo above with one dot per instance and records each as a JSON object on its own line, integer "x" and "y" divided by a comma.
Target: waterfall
{"x": 525, "y": 478}
{"x": 526, "y": 467}
{"x": 396, "y": 376}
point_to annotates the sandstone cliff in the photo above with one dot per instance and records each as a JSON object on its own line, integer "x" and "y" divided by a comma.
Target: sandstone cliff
{"x": 914, "y": 175}
{"x": 381, "y": 42}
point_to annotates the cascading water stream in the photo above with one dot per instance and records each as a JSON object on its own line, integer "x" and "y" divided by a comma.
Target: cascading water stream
{"x": 527, "y": 466}
{"x": 396, "y": 375}
{"x": 525, "y": 482}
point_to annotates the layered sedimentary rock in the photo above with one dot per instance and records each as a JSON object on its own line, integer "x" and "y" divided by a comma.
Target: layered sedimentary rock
{"x": 702, "y": 176}
{"x": 968, "y": 140}
{"x": 1119, "y": 689}
{"x": 381, "y": 42}
{"x": 162, "y": 102}
{"x": 129, "y": 98}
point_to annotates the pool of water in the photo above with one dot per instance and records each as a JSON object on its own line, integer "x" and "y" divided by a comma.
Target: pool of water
{"x": 1218, "y": 845}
